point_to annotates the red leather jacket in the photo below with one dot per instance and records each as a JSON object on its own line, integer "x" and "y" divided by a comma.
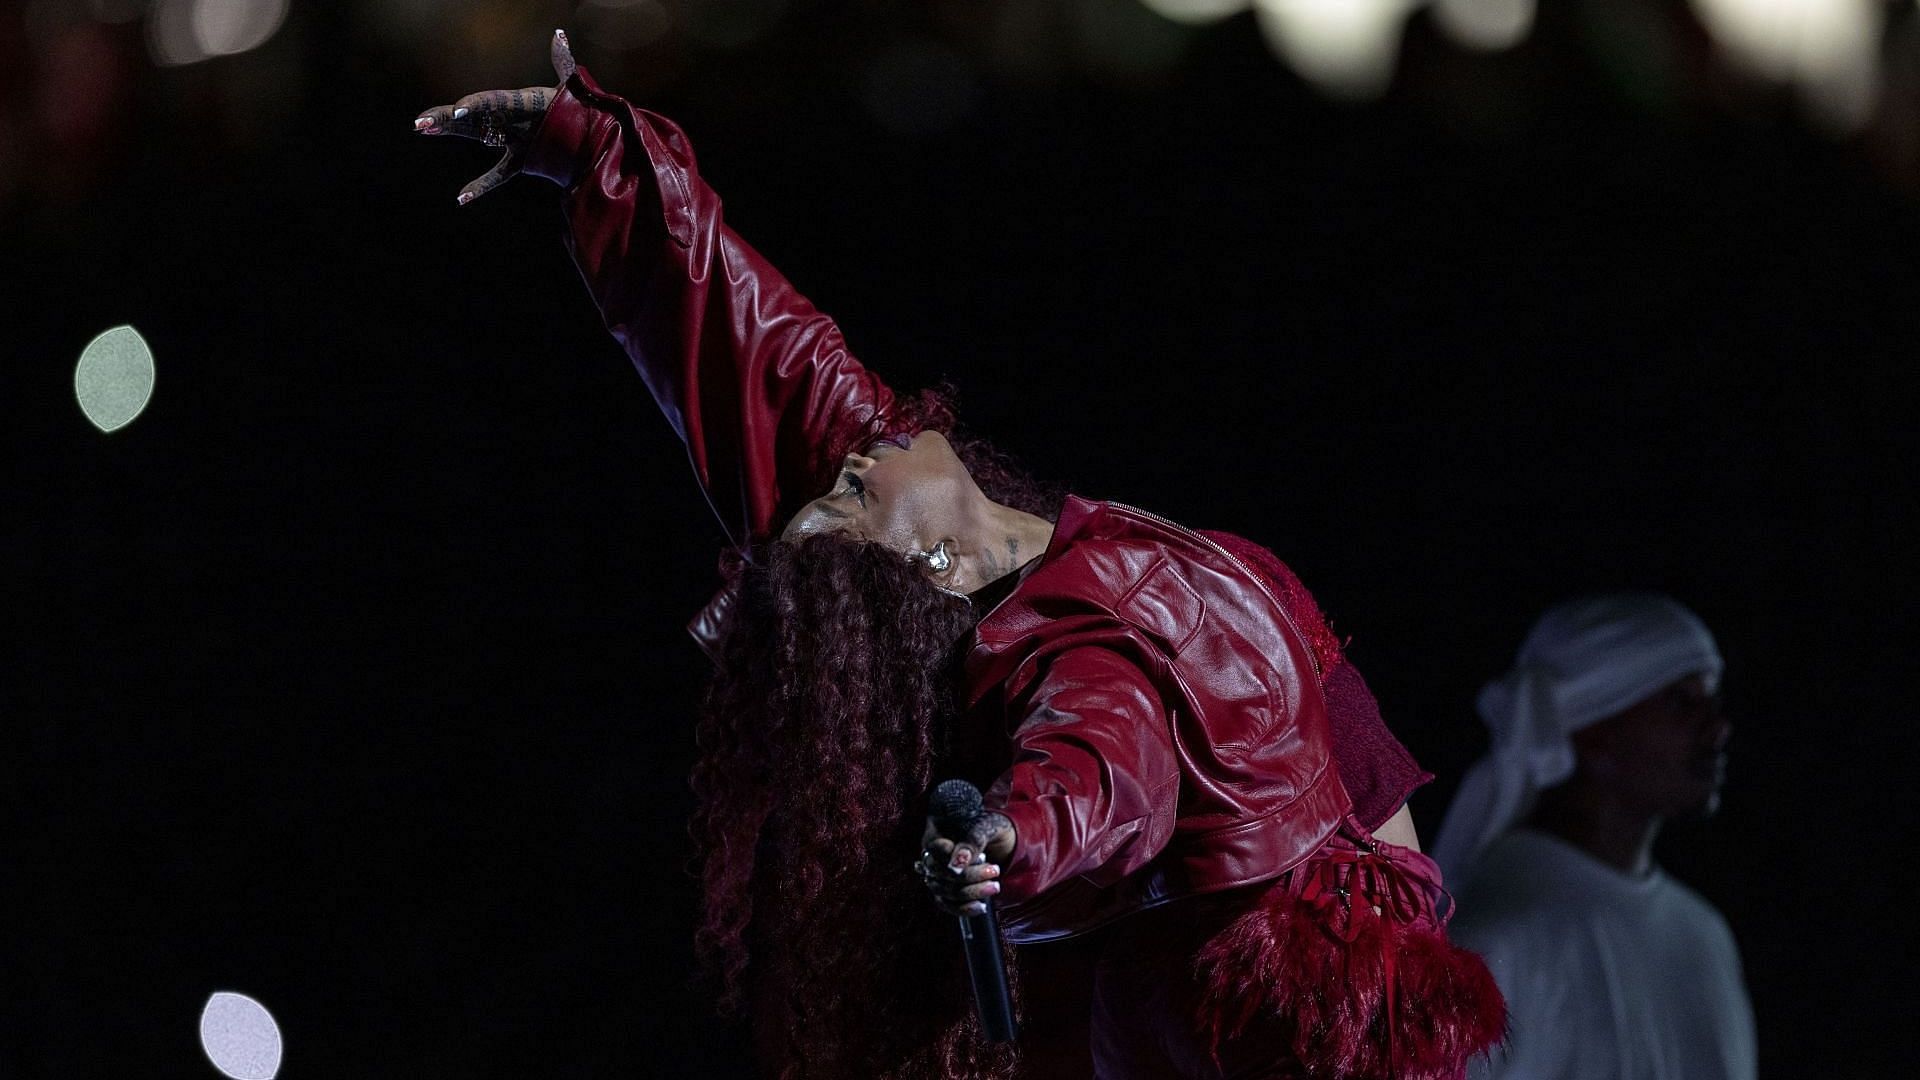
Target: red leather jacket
{"x": 1170, "y": 735}
{"x": 1167, "y": 732}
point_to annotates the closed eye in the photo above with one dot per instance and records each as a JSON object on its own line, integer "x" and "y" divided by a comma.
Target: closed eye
{"x": 855, "y": 487}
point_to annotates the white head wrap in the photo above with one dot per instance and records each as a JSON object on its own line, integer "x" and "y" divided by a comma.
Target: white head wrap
{"x": 1584, "y": 661}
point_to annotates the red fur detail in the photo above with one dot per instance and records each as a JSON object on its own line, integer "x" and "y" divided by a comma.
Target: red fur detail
{"x": 1450, "y": 1007}
{"x": 1283, "y": 962}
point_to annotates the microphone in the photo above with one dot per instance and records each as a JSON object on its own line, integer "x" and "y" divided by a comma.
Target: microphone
{"x": 955, "y": 806}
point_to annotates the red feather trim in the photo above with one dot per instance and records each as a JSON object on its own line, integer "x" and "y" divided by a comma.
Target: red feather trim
{"x": 1362, "y": 986}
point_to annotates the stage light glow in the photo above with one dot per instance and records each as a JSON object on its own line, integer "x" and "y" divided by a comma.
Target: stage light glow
{"x": 240, "y": 1037}
{"x": 1485, "y": 24}
{"x": 1347, "y": 48}
{"x": 189, "y": 31}
{"x": 114, "y": 378}
{"x": 1830, "y": 48}
{"x": 1196, "y": 11}
{"x": 170, "y": 37}
{"x": 226, "y": 27}
{"x": 623, "y": 24}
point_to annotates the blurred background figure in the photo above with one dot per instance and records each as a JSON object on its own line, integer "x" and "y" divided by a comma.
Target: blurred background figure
{"x": 1608, "y": 726}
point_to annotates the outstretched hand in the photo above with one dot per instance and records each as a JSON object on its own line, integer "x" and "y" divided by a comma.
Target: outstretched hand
{"x": 505, "y": 119}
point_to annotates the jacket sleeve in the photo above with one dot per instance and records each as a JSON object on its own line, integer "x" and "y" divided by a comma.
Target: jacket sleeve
{"x": 1094, "y": 784}
{"x": 757, "y": 382}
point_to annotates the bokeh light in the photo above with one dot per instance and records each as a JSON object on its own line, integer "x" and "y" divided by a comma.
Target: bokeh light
{"x": 240, "y": 1037}
{"x": 1828, "y": 48}
{"x": 1485, "y": 24}
{"x": 188, "y": 31}
{"x": 1346, "y": 48}
{"x": 224, "y": 27}
{"x": 114, "y": 378}
{"x": 170, "y": 38}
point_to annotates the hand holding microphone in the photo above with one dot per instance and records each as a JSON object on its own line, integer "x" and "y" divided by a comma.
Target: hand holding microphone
{"x": 964, "y": 845}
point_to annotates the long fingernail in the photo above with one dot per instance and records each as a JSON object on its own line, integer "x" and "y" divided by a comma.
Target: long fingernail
{"x": 459, "y": 114}
{"x": 423, "y": 123}
{"x": 465, "y": 198}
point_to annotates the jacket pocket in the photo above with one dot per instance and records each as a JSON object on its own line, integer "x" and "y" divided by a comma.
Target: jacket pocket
{"x": 1163, "y": 605}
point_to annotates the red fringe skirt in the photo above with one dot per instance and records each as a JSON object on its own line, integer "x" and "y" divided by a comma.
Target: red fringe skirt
{"x": 1339, "y": 970}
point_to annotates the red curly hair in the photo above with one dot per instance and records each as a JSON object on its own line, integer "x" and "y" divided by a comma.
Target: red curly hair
{"x": 828, "y": 718}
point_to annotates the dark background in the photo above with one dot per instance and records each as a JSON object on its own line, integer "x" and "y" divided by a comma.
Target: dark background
{"x": 350, "y": 675}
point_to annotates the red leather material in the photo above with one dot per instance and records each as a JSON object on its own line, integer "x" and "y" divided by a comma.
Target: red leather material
{"x": 1169, "y": 733}
{"x": 756, "y": 379}
{"x": 1165, "y": 730}
{"x": 1378, "y": 772}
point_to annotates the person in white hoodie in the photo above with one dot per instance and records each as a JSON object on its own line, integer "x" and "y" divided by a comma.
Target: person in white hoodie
{"x": 1608, "y": 726}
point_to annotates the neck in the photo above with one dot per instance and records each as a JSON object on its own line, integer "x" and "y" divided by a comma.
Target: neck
{"x": 1591, "y": 819}
{"x": 1004, "y": 540}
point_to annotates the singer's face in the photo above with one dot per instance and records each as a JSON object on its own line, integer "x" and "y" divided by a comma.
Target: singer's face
{"x": 906, "y": 499}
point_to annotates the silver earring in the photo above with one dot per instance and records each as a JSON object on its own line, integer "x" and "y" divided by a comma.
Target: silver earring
{"x": 937, "y": 560}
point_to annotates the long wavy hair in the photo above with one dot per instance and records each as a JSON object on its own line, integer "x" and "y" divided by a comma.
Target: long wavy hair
{"x": 829, "y": 716}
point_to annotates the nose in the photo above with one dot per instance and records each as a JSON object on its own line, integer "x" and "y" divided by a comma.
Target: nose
{"x": 857, "y": 463}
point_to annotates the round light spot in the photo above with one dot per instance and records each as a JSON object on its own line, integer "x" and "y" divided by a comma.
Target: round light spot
{"x": 224, "y": 27}
{"x": 170, "y": 37}
{"x": 1346, "y": 48}
{"x": 240, "y": 1037}
{"x": 114, "y": 378}
{"x": 1485, "y": 24}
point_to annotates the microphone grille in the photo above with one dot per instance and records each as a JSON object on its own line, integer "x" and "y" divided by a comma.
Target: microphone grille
{"x": 956, "y": 801}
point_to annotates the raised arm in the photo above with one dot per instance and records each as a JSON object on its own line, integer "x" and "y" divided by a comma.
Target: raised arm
{"x": 757, "y": 382}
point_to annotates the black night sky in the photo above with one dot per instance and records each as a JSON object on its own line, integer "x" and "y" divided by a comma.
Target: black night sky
{"x": 350, "y": 675}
